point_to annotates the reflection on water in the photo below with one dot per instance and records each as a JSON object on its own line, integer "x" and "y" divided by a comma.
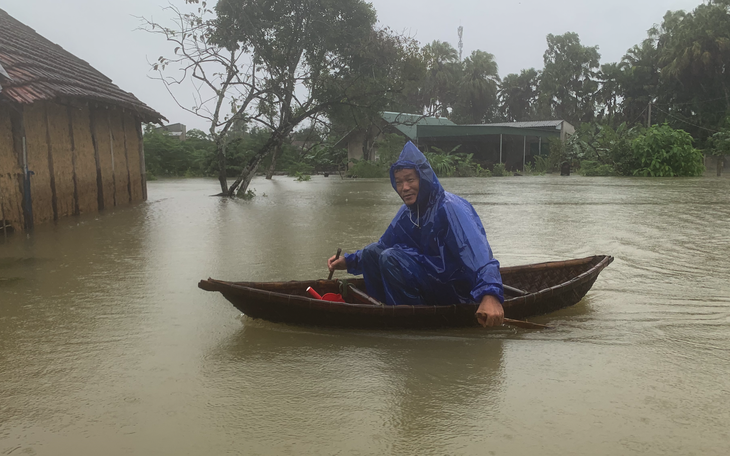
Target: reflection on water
{"x": 374, "y": 391}
{"x": 107, "y": 346}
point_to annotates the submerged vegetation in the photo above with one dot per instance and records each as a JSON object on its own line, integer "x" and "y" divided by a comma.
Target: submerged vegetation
{"x": 664, "y": 152}
{"x": 659, "y": 151}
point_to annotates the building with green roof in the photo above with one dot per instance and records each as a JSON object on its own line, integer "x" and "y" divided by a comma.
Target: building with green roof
{"x": 511, "y": 143}
{"x": 361, "y": 143}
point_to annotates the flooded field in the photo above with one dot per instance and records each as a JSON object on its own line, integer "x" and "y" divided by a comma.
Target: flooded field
{"x": 107, "y": 346}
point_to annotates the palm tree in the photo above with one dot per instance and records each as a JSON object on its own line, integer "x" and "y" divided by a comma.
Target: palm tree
{"x": 694, "y": 56}
{"x": 518, "y": 95}
{"x": 477, "y": 96}
{"x": 639, "y": 80}
{"x": 610, "y": 77}
{"x": 443, "y": 72}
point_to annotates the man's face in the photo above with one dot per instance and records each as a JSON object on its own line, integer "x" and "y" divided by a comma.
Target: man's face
{"x": 406, "y": 184}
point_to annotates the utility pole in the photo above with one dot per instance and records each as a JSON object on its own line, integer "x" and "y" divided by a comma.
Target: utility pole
{"x": 500, "y": 148}
{"x": 648, "y": 119}
{"x": 524, "y": 152}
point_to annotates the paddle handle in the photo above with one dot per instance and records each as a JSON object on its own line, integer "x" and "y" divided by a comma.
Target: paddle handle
{"x": 337, "y": 256}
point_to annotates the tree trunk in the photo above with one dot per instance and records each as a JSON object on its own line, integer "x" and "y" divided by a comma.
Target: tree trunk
{"x": 367, "y": 145}
{"x": 273, "y": 144}
{"x": 720, "y": 164}
{"x": 272, "y": 167}
{"x": 364, "y": 146}
{"x": 240, "y": 185}
{"x": 221, "y": 146}
{"x": 246, "y": 181}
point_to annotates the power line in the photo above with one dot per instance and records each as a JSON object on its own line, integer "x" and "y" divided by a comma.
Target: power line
{"x": 690, "y": 102}
{"x": 685, "y": 121}
{"x": 639, "y": 116}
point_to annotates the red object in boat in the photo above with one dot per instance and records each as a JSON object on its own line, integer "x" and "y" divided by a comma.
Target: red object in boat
{"x": 314, "y": 294}
{"x": 327, "y": 296}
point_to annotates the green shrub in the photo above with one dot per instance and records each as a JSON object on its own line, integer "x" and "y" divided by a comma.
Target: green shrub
{"x": 467, "y": 167}
{"x": 325, "y": 158}
{"x": 302, "y": 177}
{"x": 604, "y": 145}
{"x": 389, "y": 148}
{"x": 500, "y": 170}
{"x": 557, "y": 154}
{"x": 444, "y": 165}
{"x": 248, "y": 195}
{"x": 541, "y": 165}
{"x": 298, "y": 168}
{"x": 481, "y": 172}
{"x": 665, "y": 152}
{"x": 166, "y": 155}
{"x": 368, "y": 169}
{"x": 593, "y": 168}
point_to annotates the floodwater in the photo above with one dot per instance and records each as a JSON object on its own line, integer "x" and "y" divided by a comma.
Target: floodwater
{"x": 108, "y": 347}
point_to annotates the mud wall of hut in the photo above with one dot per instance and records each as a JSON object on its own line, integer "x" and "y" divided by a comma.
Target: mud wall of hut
{"x": 83, "y": 159}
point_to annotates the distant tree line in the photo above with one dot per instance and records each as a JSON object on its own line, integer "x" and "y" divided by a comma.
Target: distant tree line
{"x": 677, "y": 76}
{"x": 305, "y": 152}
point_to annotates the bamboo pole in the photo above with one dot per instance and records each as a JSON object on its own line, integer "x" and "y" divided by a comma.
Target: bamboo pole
{"x": 142, "y": 165}
{"x": 27, "y": 198}
{"x": 51, "y": 167}
{"x": 69, "y": 114}
{"x": 111, "y": 150}
{"x": 97, "y": 159}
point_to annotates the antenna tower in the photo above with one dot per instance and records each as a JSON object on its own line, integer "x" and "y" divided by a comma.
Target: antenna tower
{"x": 461, "y": 43}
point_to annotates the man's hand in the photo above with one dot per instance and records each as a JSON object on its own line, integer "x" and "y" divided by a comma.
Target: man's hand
{"x": 339, "y": 263}
{"x": 490, "y": 312}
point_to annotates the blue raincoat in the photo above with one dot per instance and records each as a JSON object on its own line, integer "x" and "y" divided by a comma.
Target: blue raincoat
{"x": 433, "y": 252}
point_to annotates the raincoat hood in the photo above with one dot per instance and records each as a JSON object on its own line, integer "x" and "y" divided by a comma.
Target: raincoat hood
{"x": 429, "y": 187}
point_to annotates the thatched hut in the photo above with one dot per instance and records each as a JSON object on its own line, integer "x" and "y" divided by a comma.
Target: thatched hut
{"x": 70, "y": 140}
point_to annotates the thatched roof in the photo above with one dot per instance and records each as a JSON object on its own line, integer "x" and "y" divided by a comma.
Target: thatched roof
{"x": 37, "y": 69}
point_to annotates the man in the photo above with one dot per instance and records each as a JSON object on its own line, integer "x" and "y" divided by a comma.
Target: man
{"x": 435, "y": 250}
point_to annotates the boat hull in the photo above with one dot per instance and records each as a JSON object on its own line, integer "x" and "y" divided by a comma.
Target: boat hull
{"x": 546, "y": 286}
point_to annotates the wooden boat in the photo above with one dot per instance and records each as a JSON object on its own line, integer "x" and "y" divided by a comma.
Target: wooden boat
{"x": 530, "y": 290}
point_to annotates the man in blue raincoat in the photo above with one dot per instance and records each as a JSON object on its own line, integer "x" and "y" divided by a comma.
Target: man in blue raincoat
{"x": 435, "y": 250}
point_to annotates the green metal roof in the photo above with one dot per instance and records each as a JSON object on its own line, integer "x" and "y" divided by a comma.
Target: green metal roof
{"x": 409, "y": 124}
{"x": 531, "y": 124}
{"x": 443, "y": 131}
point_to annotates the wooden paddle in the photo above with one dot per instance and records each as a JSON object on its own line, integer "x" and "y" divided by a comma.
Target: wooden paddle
{"x": 525, "y": 324}
{"x": 337, "y": 255}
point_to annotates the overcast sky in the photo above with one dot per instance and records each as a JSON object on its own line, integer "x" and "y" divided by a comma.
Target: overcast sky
{"x": 102, "y": 32}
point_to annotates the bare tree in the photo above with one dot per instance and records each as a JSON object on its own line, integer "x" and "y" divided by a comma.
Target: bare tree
{"x": 224, "y": 81}
{"x": 276, "y": 66}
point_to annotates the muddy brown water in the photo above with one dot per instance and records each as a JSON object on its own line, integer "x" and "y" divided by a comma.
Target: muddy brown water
{"x": 108, "y": 347}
